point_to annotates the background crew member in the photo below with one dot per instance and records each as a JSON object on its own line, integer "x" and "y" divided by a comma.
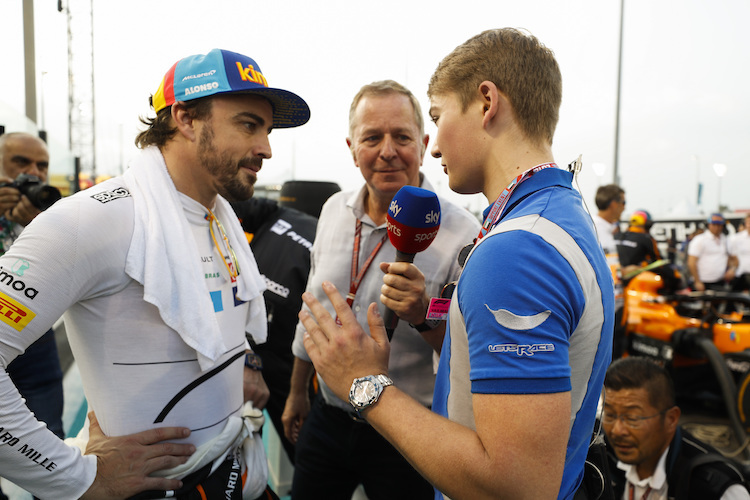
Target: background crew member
{"x": 654, "y": 454}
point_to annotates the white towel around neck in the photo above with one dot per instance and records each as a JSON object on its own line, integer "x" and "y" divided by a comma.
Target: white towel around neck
{"x": 163, "y": 257}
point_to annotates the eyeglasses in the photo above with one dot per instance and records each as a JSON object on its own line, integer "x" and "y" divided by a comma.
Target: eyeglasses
{"x": 632, "y": 421}
{"x": 234, "y": 269}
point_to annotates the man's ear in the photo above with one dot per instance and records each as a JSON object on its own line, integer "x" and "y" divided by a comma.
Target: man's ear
{"x": 672, "y": 418}
{"x": 183, "y": 120}
{"x": 496, "y": 105}
{"x": 424, "y": 143}
{"x": 490, "y": 96}
{"x": 351, "y": 150}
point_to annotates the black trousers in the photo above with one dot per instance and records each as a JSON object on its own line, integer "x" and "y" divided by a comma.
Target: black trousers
{"x": 335, "y": 454}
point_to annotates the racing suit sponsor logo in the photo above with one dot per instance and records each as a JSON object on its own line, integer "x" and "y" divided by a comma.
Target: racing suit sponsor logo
{"x": 521, "y": 349}
{"x": 250, "y": 75}
{"x": 299, "y": 239}
{"x": 7, "y": 279}
{"x": 235, "y": 479}
{"x": 512, "y": 321}
{"x": 280, "y": 227}
{"x": 237, "y": 301}
{"x": 276, "y": 288}
{"x": 13, "y": 313}
{"x": 20, "y": 266}
{"x": 107, "y": 196}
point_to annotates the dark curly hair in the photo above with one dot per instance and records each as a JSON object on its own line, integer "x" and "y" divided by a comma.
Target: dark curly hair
{"x": 161, "y": 129}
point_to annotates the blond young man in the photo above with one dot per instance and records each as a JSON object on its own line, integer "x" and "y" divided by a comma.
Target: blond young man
{"x": 530, "y": 321}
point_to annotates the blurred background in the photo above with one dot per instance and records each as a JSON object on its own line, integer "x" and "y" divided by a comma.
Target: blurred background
{"x": 654, "y": 97}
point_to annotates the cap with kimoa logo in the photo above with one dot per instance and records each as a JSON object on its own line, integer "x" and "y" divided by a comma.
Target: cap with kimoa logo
{"x": 225, "y": 72}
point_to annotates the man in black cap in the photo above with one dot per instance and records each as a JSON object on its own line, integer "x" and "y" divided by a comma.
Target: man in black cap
{"x": 159, "y": 289}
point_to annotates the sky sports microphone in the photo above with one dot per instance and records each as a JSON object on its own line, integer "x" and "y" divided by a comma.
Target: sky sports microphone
{"x": 413, "y": 221}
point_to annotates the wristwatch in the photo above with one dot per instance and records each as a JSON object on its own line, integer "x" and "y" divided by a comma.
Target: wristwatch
{"x": 365, "y": 391}
{"x": 429, "y": 324}
{"x": 253, "y": 361}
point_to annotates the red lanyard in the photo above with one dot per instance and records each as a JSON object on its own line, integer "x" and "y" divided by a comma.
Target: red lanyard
{"x": 356, "y": 276}
{"x": 497, "y": 208}
{"x": 631, "y": 491}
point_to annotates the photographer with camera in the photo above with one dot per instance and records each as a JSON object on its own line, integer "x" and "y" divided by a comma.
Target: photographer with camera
{"x": 23, "y": 196}
{"x": 24, "y": 160}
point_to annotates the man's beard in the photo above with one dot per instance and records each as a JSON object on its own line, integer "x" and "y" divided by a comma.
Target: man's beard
{"x": 229, "y": 183}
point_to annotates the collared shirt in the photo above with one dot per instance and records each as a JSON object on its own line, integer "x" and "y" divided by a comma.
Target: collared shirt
{"x": 411, "y": 360}
{"x": 605, "y": 231}
{"x": 659, "y": 486}
{"x": 739, "y": 246}
{"x": 657, "y": 483}
{"x": 532, "y": 313}
{"x": 712, "y": 254}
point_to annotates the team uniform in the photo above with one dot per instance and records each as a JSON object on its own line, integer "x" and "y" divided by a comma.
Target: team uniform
{"x": 636, "y": 247}
{"x": 36, "y": 373}
{"x": 281, "y": 240}
{"x": 138, "y": 372}
{"x": 532, "y": 313}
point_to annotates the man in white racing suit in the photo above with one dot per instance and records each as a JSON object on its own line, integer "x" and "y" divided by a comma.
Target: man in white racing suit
{"x": 158, "y": 289}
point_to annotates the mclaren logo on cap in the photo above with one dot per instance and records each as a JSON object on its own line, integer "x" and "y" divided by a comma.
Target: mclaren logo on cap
{"x": 250, "y": 75}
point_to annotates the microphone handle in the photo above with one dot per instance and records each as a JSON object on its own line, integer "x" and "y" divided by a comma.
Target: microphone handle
{"x": 390, "y": 318}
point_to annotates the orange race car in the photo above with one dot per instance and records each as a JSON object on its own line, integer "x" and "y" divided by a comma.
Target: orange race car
{"x": 706, "y": 347}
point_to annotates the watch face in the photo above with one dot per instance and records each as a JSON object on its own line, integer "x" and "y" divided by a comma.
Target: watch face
{"x": 365, "y": 392}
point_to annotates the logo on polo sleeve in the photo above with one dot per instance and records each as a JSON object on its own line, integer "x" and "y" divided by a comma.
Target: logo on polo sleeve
{"x": 14, "y": 313}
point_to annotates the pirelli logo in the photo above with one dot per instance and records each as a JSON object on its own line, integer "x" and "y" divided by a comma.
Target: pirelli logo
{"x": 14, "y": 313}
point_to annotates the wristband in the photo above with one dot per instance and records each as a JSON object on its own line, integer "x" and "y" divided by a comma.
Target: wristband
{"x": 426, "y": 326}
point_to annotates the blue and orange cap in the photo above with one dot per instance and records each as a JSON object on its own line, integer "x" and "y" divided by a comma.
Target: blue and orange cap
{"x": 225, "y": 72}
{"x": 716, "y": 219}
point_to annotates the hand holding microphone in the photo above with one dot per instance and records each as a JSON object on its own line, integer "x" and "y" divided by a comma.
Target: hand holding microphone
{"x": 413, "y": 221}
